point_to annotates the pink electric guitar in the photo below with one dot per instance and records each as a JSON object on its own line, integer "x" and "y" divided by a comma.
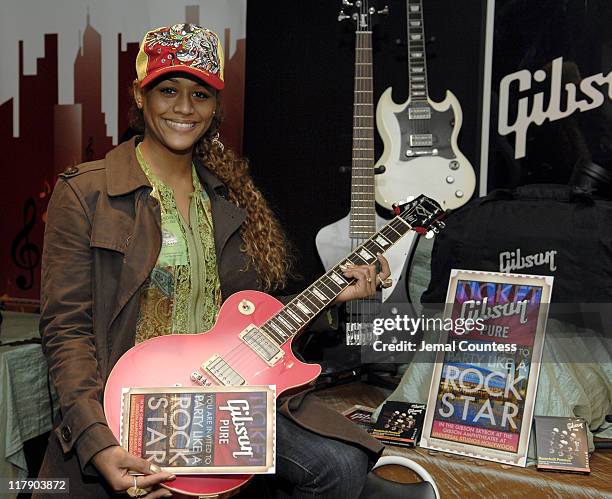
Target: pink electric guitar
{"x": 250, "y": 343}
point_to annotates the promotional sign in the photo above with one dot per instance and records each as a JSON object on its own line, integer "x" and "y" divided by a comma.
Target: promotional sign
{"x": 562, "y": 444}
{"x": 201, "y": 429}
{"x": 399, "y": 423}
{"x": 485, "y": 378}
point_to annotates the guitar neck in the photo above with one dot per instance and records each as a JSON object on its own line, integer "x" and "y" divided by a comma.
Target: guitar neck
{"x": 422, "y": 212}
{"x": 417, "y": 63}
{"x": 304, "y": 307}
{"x": 363, "y": 211}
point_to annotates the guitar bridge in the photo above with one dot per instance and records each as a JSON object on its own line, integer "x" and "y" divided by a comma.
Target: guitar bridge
{"x": 359, "y": 334}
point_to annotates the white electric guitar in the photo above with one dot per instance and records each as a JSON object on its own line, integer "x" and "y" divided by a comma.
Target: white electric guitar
{"x": 335, "y": 240}
{"x": 421, "y": 155}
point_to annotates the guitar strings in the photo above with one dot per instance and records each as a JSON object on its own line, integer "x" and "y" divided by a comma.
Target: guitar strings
{"x": 360, "y": 312}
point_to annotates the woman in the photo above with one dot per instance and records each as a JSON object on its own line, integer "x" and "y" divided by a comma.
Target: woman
{"x": 149, "y": 241}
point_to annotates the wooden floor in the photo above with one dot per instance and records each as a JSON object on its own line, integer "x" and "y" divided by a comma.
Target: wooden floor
{"x": 458, "y": 476}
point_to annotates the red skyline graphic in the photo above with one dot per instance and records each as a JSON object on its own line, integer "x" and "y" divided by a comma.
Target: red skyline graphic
{"x": 88, "y": 93}
{"x": 53, "y": 137}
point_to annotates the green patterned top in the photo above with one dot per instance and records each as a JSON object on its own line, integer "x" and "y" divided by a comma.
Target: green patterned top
{"x": 182, "y": 294}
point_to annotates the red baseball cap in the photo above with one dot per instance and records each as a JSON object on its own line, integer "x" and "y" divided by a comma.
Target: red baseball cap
{"x": 183, "y": 48}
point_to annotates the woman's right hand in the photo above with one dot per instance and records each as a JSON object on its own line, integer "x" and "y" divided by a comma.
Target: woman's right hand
{"x": 115, "y": 464}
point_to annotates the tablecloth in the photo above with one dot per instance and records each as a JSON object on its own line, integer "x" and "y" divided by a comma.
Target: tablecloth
{"x": 25, "y": 406}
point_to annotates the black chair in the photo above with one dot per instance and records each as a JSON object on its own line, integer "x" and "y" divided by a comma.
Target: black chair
{"x": 377, "y": 487}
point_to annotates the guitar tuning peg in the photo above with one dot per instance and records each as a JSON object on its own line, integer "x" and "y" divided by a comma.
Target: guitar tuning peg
{"x": 435, "y": 229}
{"x": 384, "y": 11}
{"x": 342, "y": 16}
{"x": 347, "y": 3}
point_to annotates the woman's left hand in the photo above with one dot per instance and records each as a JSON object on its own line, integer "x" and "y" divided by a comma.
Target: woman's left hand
{"x": 366, "y": 280}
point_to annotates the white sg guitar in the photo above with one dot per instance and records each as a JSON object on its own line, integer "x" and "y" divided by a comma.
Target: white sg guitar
{"x": 421, "y": 155}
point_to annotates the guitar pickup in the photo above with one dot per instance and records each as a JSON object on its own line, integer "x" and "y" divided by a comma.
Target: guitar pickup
{"x": 222, "y": 372}
{"x": 421, "y": 140}
{"x": 419, "y": 113}
{"x": 258, "y": 341}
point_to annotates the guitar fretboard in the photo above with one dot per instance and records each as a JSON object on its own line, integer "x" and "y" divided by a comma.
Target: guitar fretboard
{"x": 417, "y": 65}
{"x": 363, "y": 211}
{"x": 304, "y": 307}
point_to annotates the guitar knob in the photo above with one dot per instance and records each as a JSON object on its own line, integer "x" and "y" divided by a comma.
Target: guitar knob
{"x": 454, "y": 165}
{"x": 450, "y": 180}
{"x": 246, "y": 307}
{"x": 459, "y": 194}
{"x": 289, "y": 364}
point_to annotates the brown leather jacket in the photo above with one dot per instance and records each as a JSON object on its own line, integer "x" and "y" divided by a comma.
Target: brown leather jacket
{"x": 102, "y": 240}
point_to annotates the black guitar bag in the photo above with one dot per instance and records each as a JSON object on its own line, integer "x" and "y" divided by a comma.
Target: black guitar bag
{"x": 537, "y": 229}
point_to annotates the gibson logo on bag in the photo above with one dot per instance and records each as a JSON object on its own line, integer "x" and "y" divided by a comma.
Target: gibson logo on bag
{"x": 513, "y": 260}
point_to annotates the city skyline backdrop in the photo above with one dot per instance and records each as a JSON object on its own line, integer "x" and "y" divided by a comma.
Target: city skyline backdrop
{"x": 53, "y": 135}
{"x": 30, "y": 20}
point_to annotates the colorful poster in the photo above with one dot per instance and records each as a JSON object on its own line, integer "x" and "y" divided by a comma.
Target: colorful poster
{"x": 484, "y": 383}
{"x": 201, "y": 430}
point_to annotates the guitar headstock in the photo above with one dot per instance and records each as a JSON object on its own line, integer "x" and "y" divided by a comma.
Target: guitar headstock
{"x": 422, "y": 213}
{"x": 361, "y": 13}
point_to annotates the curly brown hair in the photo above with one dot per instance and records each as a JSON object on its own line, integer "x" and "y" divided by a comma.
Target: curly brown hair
{"x": 265, "y": 241}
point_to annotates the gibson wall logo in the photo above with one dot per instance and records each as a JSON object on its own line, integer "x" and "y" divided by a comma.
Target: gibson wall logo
{"x": 514, "y": 260}
{"x": 595, "y": 97}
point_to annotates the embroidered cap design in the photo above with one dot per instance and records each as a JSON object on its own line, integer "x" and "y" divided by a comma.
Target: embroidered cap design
{"x": 181, "y": 48}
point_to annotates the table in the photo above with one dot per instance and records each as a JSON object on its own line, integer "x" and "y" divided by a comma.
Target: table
{"x": 18, "y": 326}
{"x": 25, "y": 406}
{"x": 463, "y": 477}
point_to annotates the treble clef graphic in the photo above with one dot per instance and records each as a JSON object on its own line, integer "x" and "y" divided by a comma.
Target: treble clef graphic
{"x": 25, "y": 254}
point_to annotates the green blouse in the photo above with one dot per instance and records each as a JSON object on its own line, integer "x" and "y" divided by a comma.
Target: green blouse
{"x": 182, "y": 294}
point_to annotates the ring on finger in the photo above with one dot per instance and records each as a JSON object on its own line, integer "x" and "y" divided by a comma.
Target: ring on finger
{"x": 385, "y": 283}
{"x": 135, "y": 490}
